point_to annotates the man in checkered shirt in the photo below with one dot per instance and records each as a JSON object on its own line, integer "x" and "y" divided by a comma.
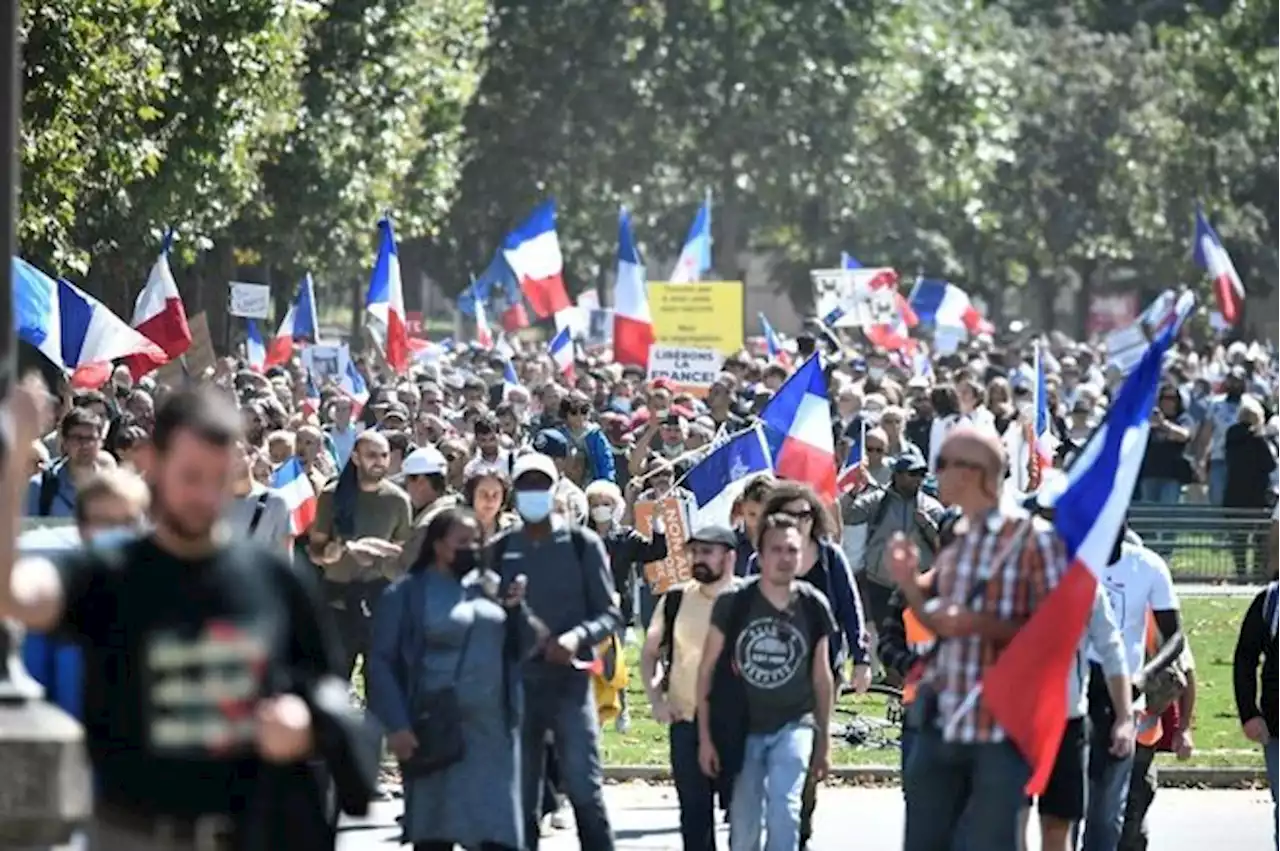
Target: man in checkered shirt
{"x": 986, "y": 585}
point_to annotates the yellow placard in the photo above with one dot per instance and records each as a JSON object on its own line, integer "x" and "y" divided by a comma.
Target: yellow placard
{"x": 704, "y": 315}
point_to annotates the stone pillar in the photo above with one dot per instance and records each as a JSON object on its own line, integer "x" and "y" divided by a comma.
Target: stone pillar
{"x": 45, "y": 785}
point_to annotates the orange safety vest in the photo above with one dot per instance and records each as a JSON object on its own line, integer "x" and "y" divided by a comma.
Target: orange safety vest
{"x": 920, "y": 640}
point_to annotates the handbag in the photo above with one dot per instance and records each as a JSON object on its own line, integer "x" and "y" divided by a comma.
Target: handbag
{"x": 437, "y": 717}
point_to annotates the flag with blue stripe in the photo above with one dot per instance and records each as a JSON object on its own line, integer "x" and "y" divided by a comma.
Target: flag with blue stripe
{"x": 718, "y": 478}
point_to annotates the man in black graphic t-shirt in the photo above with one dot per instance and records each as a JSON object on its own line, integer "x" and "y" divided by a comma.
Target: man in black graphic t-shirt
{"x": 197, "y": 651}
{"x": 776, "y": 629}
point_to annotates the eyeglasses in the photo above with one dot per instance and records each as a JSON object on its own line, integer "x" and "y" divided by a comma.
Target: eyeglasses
{"x": 875, "y": 450}
{"x": 81, "y": 437}
{"x": 958, "y": 463}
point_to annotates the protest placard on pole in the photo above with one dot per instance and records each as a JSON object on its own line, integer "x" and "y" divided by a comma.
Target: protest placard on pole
{"x": 250, "y": 301}
{"x": 677, "y": 567}
{"x": 691, "y": 370}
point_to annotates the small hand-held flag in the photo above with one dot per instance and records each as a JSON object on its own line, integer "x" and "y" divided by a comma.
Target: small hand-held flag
{"x": 1210, "y": 255}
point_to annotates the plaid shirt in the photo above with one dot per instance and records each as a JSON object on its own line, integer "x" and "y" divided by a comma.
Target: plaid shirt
{"x": 1015, "y": 587}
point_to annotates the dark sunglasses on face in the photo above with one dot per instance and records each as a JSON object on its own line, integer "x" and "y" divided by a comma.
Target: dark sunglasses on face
{"x": 804, "y": 514}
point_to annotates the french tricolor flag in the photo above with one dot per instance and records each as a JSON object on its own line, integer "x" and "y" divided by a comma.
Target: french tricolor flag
{"x": 695, "y": 257}
{"x": 384, "y": 304}
{"x": 632, "y": 322}
{"x": 299, "y": 324}
{"x": 484, "y": 336}
{"x": 310, "y": 397}
{"x": 532, "y": 251}
{"x": 510, "y": 381}
{"x": 1213, "y": 258}
{"x": 1025, "y": 690}
{"x": 774, "y": 348}
{"x": 944, "y": 304}
{"x": 854, "y": 473}
{"x": 292, "y": 483}
{"x": 561, "y": 351}
{"x": 353, "y": 385}
{"x": 797, "y": 424}
{"x": 1043, "y": 440}
{"x": 255, "y": 352}
{"x": 159, "y": 315}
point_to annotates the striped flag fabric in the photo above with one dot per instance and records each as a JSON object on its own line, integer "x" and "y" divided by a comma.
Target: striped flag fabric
{"x": 299, "y": 324}
{"x": 797, "y": 429}
{"x": 1211, "y": 256}
{"x": 695, "y": 256}
{"x": 632, "y": 321}
{"x": 254, "y": 350}
{"x": 532, "y": 251}
{"x": 384, "y": 304}
{"x": 159, "y": 314}
{"x": 561, "y": 350}
{"x": 290, "y": 480}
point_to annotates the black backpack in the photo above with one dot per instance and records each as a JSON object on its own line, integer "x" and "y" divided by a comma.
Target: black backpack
{"x": 49, "y": 487}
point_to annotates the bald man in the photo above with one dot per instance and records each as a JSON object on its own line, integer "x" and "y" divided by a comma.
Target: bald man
{"x": 362, "y": 521}
{"x": 985, "y": 586}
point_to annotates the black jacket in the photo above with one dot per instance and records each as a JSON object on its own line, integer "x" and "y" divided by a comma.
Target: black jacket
{"x": 1257, "y": 643}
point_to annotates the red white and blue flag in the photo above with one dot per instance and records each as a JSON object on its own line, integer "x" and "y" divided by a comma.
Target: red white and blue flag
{"x": 1213, "y": 258}
{"x": 776, "y": 352}
{"x": 1025, "y": 690}
{"x": 797, "y": 428}
{"x": 532, "y": 251}
{"x": 159, "y": 315}
{"x": 290, "y": 480}
{"x": 632, "y": 321}
{"x": 695, "y": 256}
{"x": 854, "y": 473}
{"x": 1043, "y": 439}
{"x": 384, "y": 305}
{"x": 945, "y": 305}
{"x": 894, "y": 335}
{"x": 255, "y": 352}
{"x": 299, "y": 324}
{"x": 561, "y": 351}
{"x": 310, "y": 397}
{"x": 484, "y": 336}
{"x": 354, "y": 387}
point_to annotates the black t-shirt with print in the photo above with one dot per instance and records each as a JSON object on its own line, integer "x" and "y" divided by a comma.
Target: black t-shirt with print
{"x": 177, "y": 654}
{"x": 773, "y": 652}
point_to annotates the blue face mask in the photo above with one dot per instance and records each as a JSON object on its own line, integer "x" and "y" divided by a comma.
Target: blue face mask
{"x": 535, "y": 506}
{"x": 106, "y": 538}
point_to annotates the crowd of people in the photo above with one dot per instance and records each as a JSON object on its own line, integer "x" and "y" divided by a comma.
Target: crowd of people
{"x": 473, "y": 563}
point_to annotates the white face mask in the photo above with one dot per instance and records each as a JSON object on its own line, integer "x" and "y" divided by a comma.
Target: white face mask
{"x": 875, "y": 373}
{"x": 602, "y": 514}
{"x": 535, "y": 506}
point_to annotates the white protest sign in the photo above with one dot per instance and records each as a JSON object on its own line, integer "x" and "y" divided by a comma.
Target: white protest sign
{"x": 599, "y": 327}
{"x": 691, "y": 369}
{"x": 251, "y": 301}
{"x": 859, "y": 296}
{"x": 326, "y": 362}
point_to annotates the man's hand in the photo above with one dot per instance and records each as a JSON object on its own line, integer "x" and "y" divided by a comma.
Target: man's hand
{"x": 516, "y": 591}
{"x": 708, "y": 759}
{"x": 1123, "y": 733}
{"x": 366, "y": 551}
{"x": 1183, "y": 745}
{"x": 904, "y": 559}
{"x": 402, "y": 743}
{"x": 820, "y": 764}
{"x": 861, "y": 678}
{"x": 331, "y": 553}
{"x": 563, "y": 649}
{"x": 660, "y": 708}
{"x": 1255, "y": 730}
{"x": 284, "y": 728}
{"x": 952, "y": 621}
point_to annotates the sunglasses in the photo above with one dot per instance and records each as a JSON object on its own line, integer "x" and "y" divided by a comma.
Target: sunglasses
{"x": 806, "y": 514}
{"x": 958, "y": 463}
{"x": 875, "y": 450}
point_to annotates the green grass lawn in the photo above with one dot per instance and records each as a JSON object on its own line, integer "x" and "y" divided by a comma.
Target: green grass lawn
{"x": 1211, "y": 623}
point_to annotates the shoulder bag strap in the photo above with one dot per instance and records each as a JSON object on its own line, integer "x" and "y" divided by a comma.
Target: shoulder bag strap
{"x": 259, "y": 507}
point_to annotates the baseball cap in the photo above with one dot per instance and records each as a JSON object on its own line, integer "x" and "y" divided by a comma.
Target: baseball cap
{"x": 535, "y": 462}
{"x": 910, "y": 462}
{"x": 722, "y": 535}
{"x": 551, "y": 443}
{"x": 425, "y": 461}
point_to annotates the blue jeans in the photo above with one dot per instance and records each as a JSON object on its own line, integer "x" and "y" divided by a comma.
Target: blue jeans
{"x": 768, "y": 790}
{"x": 1217, "y": 482}
{"x": 908, "y": 745}
{"x": 954, "y": 788}
{"x": 1108, "y": 795}
{"x": 1271, "y": 755}
{"x": 1161, "y": 491}
{"x": 561, "y": 702}
{"x": 695, "y": 791}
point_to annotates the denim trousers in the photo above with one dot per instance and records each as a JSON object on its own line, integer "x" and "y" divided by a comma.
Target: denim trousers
{"x": 963, "y": 792}
{"x": 767, "y": 792}
{"x": 694, "y": 790}
{"x": 562, "y": 702}
{"x": 907, "y": 746}
{"x": 1108, "y": 797}
{"x": 1271, "y": 755}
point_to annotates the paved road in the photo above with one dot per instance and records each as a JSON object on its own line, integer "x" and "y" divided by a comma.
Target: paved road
{"x": 645, "y": 819}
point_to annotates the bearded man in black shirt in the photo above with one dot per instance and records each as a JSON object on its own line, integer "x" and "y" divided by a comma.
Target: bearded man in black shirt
{"x": 201, "y": 654}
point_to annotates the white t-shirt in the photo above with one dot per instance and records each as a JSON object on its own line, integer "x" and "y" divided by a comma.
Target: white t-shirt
{"x": 1139, "y": 582}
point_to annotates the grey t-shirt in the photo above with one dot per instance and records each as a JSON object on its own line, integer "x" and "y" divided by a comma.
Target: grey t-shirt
{"x": 273, "y": 524}
{"x": 774, "y": 652}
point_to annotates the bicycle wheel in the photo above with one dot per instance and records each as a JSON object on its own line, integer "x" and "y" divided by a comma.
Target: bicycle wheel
{"x": 872, "y": 720}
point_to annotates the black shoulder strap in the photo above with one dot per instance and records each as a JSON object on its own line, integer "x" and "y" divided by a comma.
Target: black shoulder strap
{"x": 49, "y": 488}
{"x": 258, "y": 509}
{"x": 882, "y": 508}
{"x": 670, "y": 609}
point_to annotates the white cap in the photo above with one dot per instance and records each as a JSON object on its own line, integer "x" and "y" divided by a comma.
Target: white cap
{"x": 427, "y": 461}
{"x": 535, "y": 462}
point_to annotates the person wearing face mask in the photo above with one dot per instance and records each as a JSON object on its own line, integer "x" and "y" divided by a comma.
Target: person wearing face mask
{"x": 452, "y": 626}
{"x": 112, "y": 507}
{"x": 553, "y": 444}
{"x": 571, "y": 588}
{"x": 628, "y": 551}
{"x": 669, "y": 666}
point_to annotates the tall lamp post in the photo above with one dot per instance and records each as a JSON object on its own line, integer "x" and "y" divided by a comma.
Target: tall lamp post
{"x": 45, "y": 790}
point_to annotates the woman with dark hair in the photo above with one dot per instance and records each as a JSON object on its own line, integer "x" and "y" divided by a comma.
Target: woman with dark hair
{"x": 1165, "y": 468}
{"x": 822, "y": 564}
{"x": 487, "y": 493}
{"x": 447, "y": 628}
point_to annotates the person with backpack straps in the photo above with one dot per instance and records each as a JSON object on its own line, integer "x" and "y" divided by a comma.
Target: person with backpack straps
{"x": 1259, "y": 707}
{"x": 52, "y": 492}
{"x": 571, "y": 589}
{"x": 765, "y": 686}
{"x": 669, "y": 665}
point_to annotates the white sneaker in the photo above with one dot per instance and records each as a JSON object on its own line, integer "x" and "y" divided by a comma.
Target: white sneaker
{"x": 560, "y": 819}
{"x": 623, "y": 722}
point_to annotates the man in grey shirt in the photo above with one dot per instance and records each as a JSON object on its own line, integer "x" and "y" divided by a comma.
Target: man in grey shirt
{"x": 571, "y": 589}
{"x": 257, "y": 513}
